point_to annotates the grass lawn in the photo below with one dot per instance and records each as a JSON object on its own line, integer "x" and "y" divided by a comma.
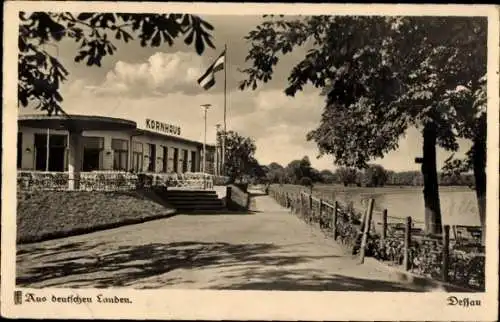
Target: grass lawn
{"x": 55, "y": 214}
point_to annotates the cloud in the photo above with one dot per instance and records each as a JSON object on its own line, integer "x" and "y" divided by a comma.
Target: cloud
{"x": 163, "y": 87}
{"x": 273, "y": 112}
{"x": 161, "y": 74}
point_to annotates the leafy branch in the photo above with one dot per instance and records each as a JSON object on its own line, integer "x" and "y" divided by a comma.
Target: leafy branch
{"x": 41, "y": 73}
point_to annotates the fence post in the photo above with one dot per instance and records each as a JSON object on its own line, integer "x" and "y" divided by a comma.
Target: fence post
{"x": 320, "y": 211}
{"x": 228, "y": 196}
{"x": 334, "y": 219}
{"x": 366, "y": 230}
{"x": 363, "y": 218}
{"x": 248, "y": 201}
{"x": 310, "y": 213}
{"x": 384, "y": 224}
{"x": 406, "y": 259}
{"x": 446, "y": 252}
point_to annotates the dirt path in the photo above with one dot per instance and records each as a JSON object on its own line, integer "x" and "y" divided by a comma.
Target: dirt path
{"x": 267, "y": 250}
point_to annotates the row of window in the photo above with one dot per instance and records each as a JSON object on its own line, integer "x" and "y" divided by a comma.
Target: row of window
{"x": 93, "y": 148}
{"x": 120, "y": 155}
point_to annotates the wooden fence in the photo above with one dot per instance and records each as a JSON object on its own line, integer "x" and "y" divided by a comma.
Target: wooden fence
{"x": 405, "y": 245}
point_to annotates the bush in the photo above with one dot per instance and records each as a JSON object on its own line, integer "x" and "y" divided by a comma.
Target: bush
{"x": 120, "y": 180}
{"x": 306, "y": 181}
{"x": 221, "y": 180}
{"x": 144, "y": 180}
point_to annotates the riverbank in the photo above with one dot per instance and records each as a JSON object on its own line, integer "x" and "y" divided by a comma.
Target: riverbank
{"x": 458, "y": 203}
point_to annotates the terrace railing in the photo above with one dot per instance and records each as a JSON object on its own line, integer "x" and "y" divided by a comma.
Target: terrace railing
{"x": 456, "y": 258}
{"x": 112, "y": 181}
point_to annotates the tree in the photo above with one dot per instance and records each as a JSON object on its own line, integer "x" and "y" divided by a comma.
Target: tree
{"x": 256, "y": 172}
{"x": 297, "y": 169}
{"x": 327, "y": 176}
{"x": 315, "y": 175}
{"x": 306, "y": 182}
{"x": 391, "y": 177}
{"x": 41, "y": 74}
{"x": 347, "y": 176}
{"x": 380, "y": 76}
{"x": 470, "y": 107}
{"x": 375, "y": 176}
{"x": 276, "y": 173}
{"x": 239, "y": 156}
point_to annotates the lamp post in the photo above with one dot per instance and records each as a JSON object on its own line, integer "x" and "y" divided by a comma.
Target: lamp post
{"x": 218, "y": 153}
{"x": 205, "y": 109}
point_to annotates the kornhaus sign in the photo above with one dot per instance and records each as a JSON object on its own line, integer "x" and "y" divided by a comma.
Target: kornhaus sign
{"x": 163, "y": 127}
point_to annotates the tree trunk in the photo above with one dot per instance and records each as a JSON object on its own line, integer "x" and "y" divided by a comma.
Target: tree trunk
{"x": 479, "y": 167}
{"x": 431, "y": 189}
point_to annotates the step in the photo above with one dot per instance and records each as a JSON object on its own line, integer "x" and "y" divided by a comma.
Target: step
{"x": 194, "y": 202}
{"x": 197, "y": 205}
{"x": 187, "y": 191}
{"x": 191, "y": 197}
{"x": 199, "y": 208}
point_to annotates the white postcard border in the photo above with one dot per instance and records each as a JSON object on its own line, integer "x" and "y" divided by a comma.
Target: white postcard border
{"x": 247, "y": 305}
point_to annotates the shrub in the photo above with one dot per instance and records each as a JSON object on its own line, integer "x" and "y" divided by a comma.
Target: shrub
{"x": 120, "y": 180}
{"x": 141, "y": 180}
{"x": 306, "y": 181}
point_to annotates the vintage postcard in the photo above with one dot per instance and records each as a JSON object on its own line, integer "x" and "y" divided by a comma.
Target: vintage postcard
{"x": 239, "y": 161}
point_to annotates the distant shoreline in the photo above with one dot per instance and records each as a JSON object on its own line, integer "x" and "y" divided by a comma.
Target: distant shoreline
{"x": 458, "y": 203}
{"x": 387, "y": 188}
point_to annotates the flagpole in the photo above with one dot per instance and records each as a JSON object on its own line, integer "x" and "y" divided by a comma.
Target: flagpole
{"x": 225, "y": 99}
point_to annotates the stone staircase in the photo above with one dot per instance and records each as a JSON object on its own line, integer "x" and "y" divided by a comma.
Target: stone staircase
{"x": 189, "y": 201}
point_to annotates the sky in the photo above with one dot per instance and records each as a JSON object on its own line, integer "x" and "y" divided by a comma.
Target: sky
{"x": 161, "y": 84}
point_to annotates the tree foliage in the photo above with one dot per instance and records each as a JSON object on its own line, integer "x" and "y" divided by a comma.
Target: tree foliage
{"x": 379, "y": 75}
{"x": 298, "y": 169}
{"x": 42, "y": 73}
{"x": 306, "y": 182}
{"x": 374, "y": 176}
{"x": 327, "y": 176}
{"x": 347, "y": 176}
{"x": 239, "y": 156}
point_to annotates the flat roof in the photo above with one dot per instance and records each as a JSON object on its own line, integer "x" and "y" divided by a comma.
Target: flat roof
{"x": 94, "y": 123}
{"x": 76, "y": 122}
{"x": 171, "y": 138}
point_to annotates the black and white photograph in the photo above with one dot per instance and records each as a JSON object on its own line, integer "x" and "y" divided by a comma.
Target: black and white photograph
{"x": 346, "y": 158}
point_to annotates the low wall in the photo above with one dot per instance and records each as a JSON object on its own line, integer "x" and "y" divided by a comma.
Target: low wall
{"x": 112, "y": 181}
{"x": 237, "y": 199}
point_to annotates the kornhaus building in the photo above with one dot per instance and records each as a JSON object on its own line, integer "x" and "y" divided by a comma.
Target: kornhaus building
{"x": 77, "y": 143}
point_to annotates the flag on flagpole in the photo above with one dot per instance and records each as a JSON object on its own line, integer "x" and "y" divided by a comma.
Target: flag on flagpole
{"x": 208, "y": 79}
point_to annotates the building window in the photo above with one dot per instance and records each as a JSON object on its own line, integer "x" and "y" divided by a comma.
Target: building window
{"x": 93, "y": 147}
{"x": 152, "y": 158}
{"x": 120, "y": 154}
{"x": 165, "y": 159}
{"x": 193, "y": 161}
{"x": 56, "y": 152}
{"x": 137, "y": 156}
{"x": 19, "y": 150}
{"x": 185, "y": 157}
{"x": 176, "y": 160}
